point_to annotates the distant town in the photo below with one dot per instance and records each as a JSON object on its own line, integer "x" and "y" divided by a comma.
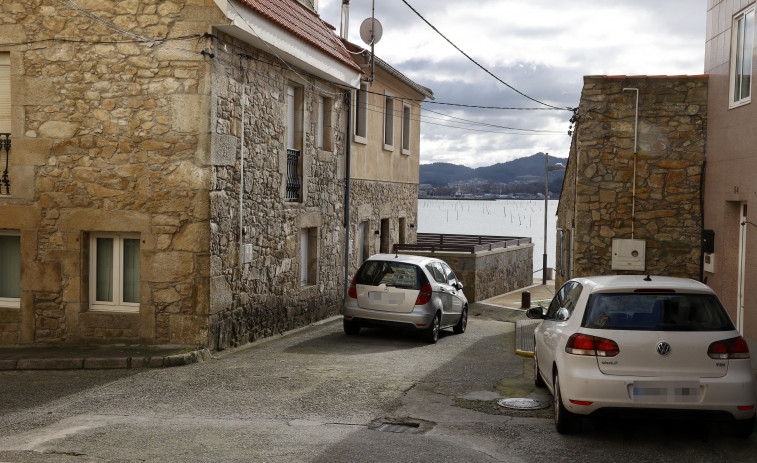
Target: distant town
{"x": 518, "y": 179}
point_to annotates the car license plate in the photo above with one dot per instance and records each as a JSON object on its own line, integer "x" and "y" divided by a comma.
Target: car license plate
{"x": 665, "y": 391}
{"x": 385, "y": 298}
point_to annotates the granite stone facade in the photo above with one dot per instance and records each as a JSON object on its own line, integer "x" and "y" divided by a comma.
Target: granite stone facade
{"x": 598, "y": 205}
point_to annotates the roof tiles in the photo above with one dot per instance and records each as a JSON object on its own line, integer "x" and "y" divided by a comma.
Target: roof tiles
{"x": 294, "y": 17}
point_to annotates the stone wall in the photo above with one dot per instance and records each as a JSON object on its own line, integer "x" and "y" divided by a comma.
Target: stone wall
{"x": 109, "y": 135}
{"x": 265, "y": 297}
{"x": 487, "y": 274}
{"x": 597, "y": 202}
{"x": 373, "y": 201}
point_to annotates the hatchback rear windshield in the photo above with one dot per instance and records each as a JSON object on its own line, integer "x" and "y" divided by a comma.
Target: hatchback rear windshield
{"x": 656, "y": 312}
{"x": 398, "y": 274}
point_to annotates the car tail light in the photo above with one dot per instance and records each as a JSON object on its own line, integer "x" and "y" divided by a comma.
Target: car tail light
{"x": 353, "y": 290}
{"x": 584, "y": 344}
{"x": 425, "y": 295}
{"x": 734, "y": 348}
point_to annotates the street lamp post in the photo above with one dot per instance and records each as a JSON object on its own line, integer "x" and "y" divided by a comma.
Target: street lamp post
{"x": 547, "y": 168}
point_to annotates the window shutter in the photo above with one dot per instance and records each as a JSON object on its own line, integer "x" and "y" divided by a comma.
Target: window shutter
{"x": 5, "y": 93}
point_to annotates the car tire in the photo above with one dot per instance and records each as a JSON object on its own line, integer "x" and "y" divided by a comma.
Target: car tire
{"x": 743, "y": 428}
{"x": 462, "y": 323}
{"x": 538, "y": 380}
{"x": 351, "y": 328}
{"x": 432, "y": 333}
{"x": 565, "y": 421}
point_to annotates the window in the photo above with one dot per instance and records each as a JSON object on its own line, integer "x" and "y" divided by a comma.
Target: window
{"x": 308, "y": 256}
{"x": 406, "y": 112}
{"x": 294, "y": 104}
{"x": 564, "y": 302}
{"x": 742, "y": 45}
{"x": 363, "y": 241}
{"x": 389, "y": 122}
{"x": 324, "y": 131}
{"x": 10, "y": 270}
{"x": 361, "y": 114}
{"x": 114, "y": 272}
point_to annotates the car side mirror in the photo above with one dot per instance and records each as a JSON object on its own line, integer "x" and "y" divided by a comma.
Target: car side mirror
{"x": 459, "y": 286}
{"x": 536, "y": 313}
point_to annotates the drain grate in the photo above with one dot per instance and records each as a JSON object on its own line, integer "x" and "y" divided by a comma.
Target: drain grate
{"x": 399, "y": 427}
{"x": 523, "y": 404}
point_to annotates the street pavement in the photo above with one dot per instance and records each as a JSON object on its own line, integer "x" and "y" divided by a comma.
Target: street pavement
{"x": 317, "y": 395}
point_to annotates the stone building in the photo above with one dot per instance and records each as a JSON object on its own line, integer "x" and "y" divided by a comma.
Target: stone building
{"x": 385, "y": 158}
{"x": 176, "y": 170}
{"x": 730, "y": 187}
{"x": 631, "y": 199}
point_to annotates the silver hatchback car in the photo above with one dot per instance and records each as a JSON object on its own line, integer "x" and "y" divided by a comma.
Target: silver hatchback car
{"x": 421, "y": 293}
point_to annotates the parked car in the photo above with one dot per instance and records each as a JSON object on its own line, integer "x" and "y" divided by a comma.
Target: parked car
{"x": 635, "y": 345}
{"x": 420, "y": 293}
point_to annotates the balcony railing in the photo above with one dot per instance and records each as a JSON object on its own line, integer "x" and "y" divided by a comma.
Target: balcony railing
{"x": 5, "y": 154}
{"x": 294, "y": 181}
{"x": 461, "y": 243}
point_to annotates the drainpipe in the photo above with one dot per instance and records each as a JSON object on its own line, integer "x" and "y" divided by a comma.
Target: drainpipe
{"x": 241, "y": 171}
{"x": 635, "y": 138}
{"x": 345, "y": 25}
{"x": 347, "y": 167}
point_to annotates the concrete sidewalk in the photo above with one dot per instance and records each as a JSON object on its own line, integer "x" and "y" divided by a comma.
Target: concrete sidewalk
{"x": 71, "y": 357}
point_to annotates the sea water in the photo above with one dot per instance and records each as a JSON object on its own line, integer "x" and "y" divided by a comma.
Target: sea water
{"x": 519, "y": 218}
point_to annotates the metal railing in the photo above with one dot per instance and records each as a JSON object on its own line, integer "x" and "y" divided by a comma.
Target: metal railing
{"x": 5, "y": 150}
{"x": 460, "y": 243}
{"x": 294, "y": 181}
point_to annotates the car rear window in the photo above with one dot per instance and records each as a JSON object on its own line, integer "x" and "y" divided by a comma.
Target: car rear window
{"x": 656, "y": 312}
{"x": 398, "y": 274}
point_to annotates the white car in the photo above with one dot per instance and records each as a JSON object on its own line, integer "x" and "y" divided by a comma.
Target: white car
{"x": 635, "y": 345}
{"x": 420, "y": 293}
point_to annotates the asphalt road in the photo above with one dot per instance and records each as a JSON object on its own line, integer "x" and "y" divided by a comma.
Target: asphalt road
{"x": 318, "y": 395}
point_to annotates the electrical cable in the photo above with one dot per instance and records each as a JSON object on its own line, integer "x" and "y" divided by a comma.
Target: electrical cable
{"x": 479, "y": 65}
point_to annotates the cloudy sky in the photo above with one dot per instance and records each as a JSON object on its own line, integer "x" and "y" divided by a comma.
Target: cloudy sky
{"x": 541, "y": 47}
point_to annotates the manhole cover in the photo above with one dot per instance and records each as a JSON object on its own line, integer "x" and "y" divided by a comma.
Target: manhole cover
{"x": 399, "y": 427}
{"x": 523, "y": 404}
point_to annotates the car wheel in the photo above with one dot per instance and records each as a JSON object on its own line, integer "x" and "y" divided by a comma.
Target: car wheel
{"x": 565, "y": 421}
{"x": 351, "y": 328}
{"x": 462, "y": 323}
{"x": 538, "y": 380}
{"x": 432, "y": 334}
{"x": 743, "y": 428}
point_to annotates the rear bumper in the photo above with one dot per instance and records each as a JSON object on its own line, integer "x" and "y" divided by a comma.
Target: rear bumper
{"x": 716, "y": 397}
{"x": 420, "y": 318}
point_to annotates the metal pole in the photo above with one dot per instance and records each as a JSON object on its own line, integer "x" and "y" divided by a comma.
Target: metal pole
{"x": 546, "y": 206}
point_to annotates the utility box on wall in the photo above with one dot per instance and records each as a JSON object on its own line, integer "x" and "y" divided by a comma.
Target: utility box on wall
{"x": 628, "y": 254}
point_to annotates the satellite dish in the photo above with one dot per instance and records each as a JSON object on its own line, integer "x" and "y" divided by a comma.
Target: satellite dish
{"x": 371, "y": 31}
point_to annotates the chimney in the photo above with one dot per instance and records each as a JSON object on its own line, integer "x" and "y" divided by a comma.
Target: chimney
{"x": 343, "y": 31}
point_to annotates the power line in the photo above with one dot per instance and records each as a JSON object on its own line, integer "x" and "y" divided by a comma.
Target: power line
{"x": 479, "y": 65}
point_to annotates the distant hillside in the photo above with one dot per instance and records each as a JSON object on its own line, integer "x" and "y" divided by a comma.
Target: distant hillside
{"x": 524, "y": 169}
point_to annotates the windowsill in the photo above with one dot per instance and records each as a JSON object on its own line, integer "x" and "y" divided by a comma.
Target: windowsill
{"x": 10, "y": 303}
{"x": 308, "y": 286}
{"x": 359, "y": 139}
{"x": 405, "y": 152}
{"x": 389, "y": 148}
{"x": 117, "y": 309}
{"x": 740, "y": 103}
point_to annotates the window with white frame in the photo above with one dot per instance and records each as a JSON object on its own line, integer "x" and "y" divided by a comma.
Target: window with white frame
{"x": 361, "y": 114}
{"x": 10, "y": 269}
{"x": 742, "y": 45}
{"x": 388, "y": 122}
{"x": 114, "y": 272}
{"x": 324, "y": 131}
{"x": 406, "y": 112}
{"x": 308, "y": 256}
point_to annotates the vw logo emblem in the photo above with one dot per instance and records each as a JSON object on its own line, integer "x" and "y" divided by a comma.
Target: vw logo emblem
{"x": 663, "y": 348}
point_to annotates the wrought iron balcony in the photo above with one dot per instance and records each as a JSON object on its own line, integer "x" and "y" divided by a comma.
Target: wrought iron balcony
{"x": 294, "y": 180}
{"x": 5, "y": 150}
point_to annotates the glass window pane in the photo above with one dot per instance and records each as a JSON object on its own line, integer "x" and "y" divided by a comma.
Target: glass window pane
{"x": 104, "y": 271}
{"x": 746, "y": 78}
{"x": 10, "y": 266}
{"x": 131, "y": 270}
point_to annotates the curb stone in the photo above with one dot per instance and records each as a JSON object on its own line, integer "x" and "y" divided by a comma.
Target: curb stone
{"x": 106, "y": 363}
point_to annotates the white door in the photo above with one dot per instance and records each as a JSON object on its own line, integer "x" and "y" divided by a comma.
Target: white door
{"x": 742, "y": 268}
